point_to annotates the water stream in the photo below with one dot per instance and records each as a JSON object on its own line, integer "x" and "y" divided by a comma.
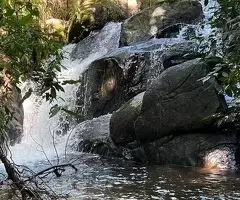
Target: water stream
{"x": 99, "y": 178}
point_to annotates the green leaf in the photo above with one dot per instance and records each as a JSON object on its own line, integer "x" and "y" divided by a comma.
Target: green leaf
{"x": 54, "y": 110}
{"x": 204, "y": 79}
{"x": 59, "y": 87}
{"x": 53, "y": 92}
{"x": 8, "y": 11}
{"x": 25, "y": 20}
{"x": 58, "y": 68}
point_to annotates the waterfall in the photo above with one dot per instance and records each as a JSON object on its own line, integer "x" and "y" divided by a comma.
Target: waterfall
{"x": 117, "y": 178}
{"x": 40, "y": 139}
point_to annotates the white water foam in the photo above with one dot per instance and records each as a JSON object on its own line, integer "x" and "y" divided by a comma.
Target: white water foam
{"x": 204, "y": 31}
{"x": 40, "y": 141}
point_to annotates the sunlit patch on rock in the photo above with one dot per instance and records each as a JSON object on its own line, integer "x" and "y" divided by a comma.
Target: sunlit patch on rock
{"x": 222, "y": 158}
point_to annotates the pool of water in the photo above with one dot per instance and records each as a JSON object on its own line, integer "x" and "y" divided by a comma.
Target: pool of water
{"x": 99, "y": 178}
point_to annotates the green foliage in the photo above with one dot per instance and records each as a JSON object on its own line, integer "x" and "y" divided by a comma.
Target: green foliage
{"x": 89, "y": 15}
{"x": 149, "y": 3}
{"x": 26, "y": 52}
{"x": 56, "y": 109}
{"x": 27, "y": 47}
{"x": 224, "y": 62}
{"x": 86, "y": 10}
{"x": 227, "y": 69}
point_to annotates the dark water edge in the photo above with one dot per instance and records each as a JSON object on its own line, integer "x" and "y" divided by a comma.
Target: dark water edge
{"x": 100, "y": 178}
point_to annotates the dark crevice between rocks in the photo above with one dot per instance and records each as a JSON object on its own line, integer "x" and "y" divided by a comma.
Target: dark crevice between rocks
{"x": 170, "y": 32}
{"x": 105, "y": 149}
{"x": 170, "y": 61}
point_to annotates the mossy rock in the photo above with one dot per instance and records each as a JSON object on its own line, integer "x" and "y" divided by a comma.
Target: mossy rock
{"x": 153, "y": 20}
{"x": 94, "y": 18}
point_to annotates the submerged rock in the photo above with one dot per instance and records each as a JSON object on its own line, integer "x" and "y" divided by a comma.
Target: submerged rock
{"x": 151, "y": 21}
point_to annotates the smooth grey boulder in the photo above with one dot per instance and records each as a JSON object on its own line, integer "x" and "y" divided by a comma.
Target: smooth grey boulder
{"x": 152, "y": 21}
{"x": 177, "y": 101}
{"x": 122, "y": 130}
{"x": 92, "y": 136}
{"x": 117, "y": 77}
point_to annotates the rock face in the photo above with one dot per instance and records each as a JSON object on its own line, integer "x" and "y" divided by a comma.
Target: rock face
{"x": 152, "y": 21}
{"x": 177, "y": 101}
{"x": 167, "y": 124}
{"x": 91, "y": 132}
{"x": 11, "y": 97}
{"x": 118, "y": 77}
{"x": 161, "y": 109}
{"x": 15, "y": 131}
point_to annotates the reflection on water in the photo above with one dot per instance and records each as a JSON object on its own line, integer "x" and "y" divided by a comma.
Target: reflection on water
{"x": 99, "y": 178}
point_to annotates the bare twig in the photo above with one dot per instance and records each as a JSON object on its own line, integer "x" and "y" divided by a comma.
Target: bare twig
{"x": 54, "y": 145}
{"x": 53, "y": 170}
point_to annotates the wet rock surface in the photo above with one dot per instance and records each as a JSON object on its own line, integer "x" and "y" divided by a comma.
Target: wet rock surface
{"x": 15, "y": 131}
{"x": 10, "y": 97}
{"x": 193, "y": 149}
{"x": 152, "y": 21}
{"x": 92, "y": 136}
{"x": 161, "y": 109}
{"x": 116, "y": 78}
{"x": 122, "y": 130}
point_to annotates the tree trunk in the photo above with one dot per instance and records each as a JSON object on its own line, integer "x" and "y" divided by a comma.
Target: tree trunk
{"x": 14, "y": 176}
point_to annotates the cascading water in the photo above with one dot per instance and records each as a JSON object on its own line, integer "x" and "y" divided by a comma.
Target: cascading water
{"x": 39, "y": 131}
{"x": 114, "y": 179}
{"x": 204, "y": 32}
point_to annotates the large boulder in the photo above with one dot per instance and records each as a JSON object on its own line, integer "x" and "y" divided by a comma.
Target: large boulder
{"x": 177, "y": 101}
{"x": 153, "y": 20}
{"x": 122, "y": 121}
{"x": 211, "y": 149}
{"x": 92, "y": 136}
{"x": 116, "y": 78}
